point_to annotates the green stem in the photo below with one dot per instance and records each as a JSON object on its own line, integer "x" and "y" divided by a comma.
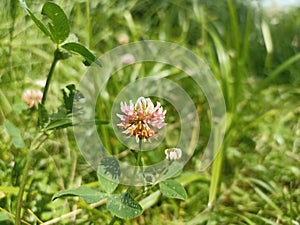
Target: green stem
{"x": 215, "y": 178}
{"x": 216, "y": 168}
{"x": 13, "y": 6}
{"x": 50, "y": 74}
{"x": 36, "y": 143}
{"x": 113, "y": 220}
{"x": 278, "y": 71}
{"x": 139, "y": 158}
{"x": 22, "y": 188}
{"x": 140, "y": 144}
{"x": 89, "y": 27}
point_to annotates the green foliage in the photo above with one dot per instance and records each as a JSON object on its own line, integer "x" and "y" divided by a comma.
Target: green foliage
{"x": 15, "y": 133}
{"x": 109, "y": 186}
{"x": 61, "y": 118}
{"x": 43, "y": 115}
{"x": 80, "y": 49}
{"x": 88, "y": 194}
{"x": 59, "y": 30}
{"x": 69, "y": 97}
{"x": 172, "y": 189}
{"x": 121, "y": 205}
{"x": 124, "y": 206}
{"x": 59, "y": 25}
{"x": 3, "y": 216}
{"x": 254, "y": 181}
{"x": 39, "y": 24}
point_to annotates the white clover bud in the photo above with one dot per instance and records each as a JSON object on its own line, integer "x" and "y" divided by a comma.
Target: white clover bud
{"x": 123, "y": 39}
{"x": 127, "y": 59}
{"x": 173, "y": 153}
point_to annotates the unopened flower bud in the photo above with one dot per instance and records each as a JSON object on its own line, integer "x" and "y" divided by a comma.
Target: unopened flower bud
{"x": 173, "y": 153}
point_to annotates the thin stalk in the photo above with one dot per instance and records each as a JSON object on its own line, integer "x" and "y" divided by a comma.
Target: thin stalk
{"x": 22, "y": 188}
{"x": 275, "y": 73}
{"x": 113, "y": 220}
{"x": 203, "y": 23}
{"x": 140, "y": 144}
{"x": 216, "y": 173}
{"x": 13, "y": 4}
{"x": 36, "y": 143}
{"x": 89, "y": 27}
{"x": 236, "y": 88}
{"x": 103, "y": 129}
{"x": 139, "y": 158}
{"x": 73, "y": 213}
{"x": 50, "y": 74}
{"x": 5, "y": 106}
{"x": 234, "y": 25}
{"x": 12, "y": 215}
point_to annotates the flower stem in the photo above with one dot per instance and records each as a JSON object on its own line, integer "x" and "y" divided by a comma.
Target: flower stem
{"x": 36, "y": 143}
{"x": 140, "y": 144}
{"x": 22, "y": 188}
{"x": 113, "y": 220}
{"x": 49, "y": 76}
{"x": 139, "y": 158}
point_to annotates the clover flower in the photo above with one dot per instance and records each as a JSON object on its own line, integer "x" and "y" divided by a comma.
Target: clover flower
{"x": 173, "y": 153}
{"x": 32, "y": 97}
{"x": 123, "y": 39}
{"x": 127, "y": 59}
{"x": 140, "y": 119}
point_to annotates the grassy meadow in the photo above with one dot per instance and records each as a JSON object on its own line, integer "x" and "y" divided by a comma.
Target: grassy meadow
{"x": 253, "y": 53}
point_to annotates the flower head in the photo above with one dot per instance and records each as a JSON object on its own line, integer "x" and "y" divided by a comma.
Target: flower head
{"x": 32, "y": 97}
{"x": 173, "y": 153}
{"x": 141, "y": 118}
{"x": 127, "y": 59}
{"x": 123, "y": 39}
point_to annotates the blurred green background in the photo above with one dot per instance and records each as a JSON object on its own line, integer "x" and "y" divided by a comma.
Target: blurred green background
{"x": 253, "y": 53}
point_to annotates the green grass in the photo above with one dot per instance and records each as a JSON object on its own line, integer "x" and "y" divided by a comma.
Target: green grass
{"x": 255, "y": 177}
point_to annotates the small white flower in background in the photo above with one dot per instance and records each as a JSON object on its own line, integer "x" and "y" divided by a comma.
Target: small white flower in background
{"x": 173, "y": 153}
{"x": 123, "y": 39}
{"x": 32, "y": 97}
{"x": 127, "y": 59}
{"x": 40, "y": 83}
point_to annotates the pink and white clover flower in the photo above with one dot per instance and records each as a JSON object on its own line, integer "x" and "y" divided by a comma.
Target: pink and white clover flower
{"x": 141, "y": 119}
{"x": 32, "y": 97}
